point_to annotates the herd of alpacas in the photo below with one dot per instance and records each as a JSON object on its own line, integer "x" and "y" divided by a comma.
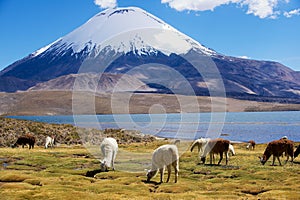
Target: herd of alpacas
{"x": 166, "y": 156}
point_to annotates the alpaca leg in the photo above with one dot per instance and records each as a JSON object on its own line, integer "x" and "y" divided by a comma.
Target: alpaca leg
{"x": 169, "y": 172}
{"x": 227, "y": 157}
{"x": 287, "y": 158}
{"x": 210, "y": 158}
{"x": 161, "y": 171}
{"x": 113, "y": 162}
{"x": 175, "y": 165}
{"x": 221, "y": 157}
{"x": 273, "y": 160}
{"x": 279, "y": 160}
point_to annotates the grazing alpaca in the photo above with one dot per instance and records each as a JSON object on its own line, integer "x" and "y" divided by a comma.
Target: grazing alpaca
{"x": 231, "y": 150}
{"x": 166, "y": 155}
{"x": 49, "y": 141}
{"x": 251, "y": 145}
{"x": 109, "y": 149}
{"x": 25, "y": 139}
{"x": 218, "y": 146}
{"x": 297, "y": 152}
{"x": 200, "y": 143}
{"x": 277, "y": 148}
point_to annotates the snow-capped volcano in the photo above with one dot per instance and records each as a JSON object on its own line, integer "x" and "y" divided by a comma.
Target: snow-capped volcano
{"x": 130, "y": 38}
{"x": 131, "y": 29}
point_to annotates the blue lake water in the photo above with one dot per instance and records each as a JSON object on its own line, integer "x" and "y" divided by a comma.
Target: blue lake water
{"x": 259, "y": 126}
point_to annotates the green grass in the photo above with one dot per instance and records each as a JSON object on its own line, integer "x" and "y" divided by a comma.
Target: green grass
{"x": 59, "y": 173}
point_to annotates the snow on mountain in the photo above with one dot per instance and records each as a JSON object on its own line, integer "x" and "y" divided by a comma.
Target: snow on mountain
{"x": 43, "y": 49}
{"x": 126, "y": 29}
{"x": 123, "y": 41}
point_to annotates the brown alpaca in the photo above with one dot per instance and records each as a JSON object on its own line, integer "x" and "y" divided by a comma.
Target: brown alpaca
{"x": 251, "y": 145}
{"x": 25, "y": 139}
{"x": 277, "y": 148}
{"x": 216, "y": 146}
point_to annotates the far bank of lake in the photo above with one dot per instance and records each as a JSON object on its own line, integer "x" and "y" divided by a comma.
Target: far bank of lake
{"x": 236, "y": 126}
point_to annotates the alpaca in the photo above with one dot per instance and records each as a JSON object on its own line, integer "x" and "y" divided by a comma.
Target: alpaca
{"x": 297, "y": 152}
{"x": 218, "y": 146}
{"x": 109, "y": 149}
{"x": 165, "y": 155}
{"x": 25, "y": 139}
{"x": 251, "y": 145}
{"x": 200, "y": 143}
{"x": 49, "y": 141}
{"x": 231, "y": 150}
{"x": 277, "y": 148}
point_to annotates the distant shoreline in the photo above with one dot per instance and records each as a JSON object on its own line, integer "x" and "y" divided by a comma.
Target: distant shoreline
{"x": 61, "y": 103}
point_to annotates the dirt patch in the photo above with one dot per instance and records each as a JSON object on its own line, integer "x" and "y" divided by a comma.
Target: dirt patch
{"x": 255, "y": 191}
{"x": 231, "y": 167}
{"x": 80, "y": 155}
{"x": 92, "y": 173}
{"x": 202, "y": 172}
{"x": 154, "y": 189}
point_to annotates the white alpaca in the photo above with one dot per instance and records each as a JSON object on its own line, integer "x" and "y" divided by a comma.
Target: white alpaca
{"x": 49, "y": 142}
{"x": 109, "y": 149}
{"x": 231, "y": 150}
{"x": 165, "y": 155}
{"x": 200, "y": 143}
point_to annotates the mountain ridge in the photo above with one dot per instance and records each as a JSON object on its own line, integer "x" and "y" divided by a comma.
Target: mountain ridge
{"x": 132, "y": 38}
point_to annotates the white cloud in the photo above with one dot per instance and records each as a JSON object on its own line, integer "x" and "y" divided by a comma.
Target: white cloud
{"x": 196, "y": 5}
{"x": 292, "y": 13}
{"x": 259, "y": 8}
{"x": 262, "y": 8}
{"x": 106, "y": 3}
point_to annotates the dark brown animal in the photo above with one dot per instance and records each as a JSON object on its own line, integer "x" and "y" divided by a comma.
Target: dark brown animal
{"x": 297, "y": 152}
{"x": 277, "y": 148}
{"x": 251, "y": 145}
{"x": 216, "y": 146}
{"x": 25, "y": 139}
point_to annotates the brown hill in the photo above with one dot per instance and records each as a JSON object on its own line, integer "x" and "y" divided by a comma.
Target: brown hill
{"x": 60, "y": 103}
{"x": 93, "y": 82}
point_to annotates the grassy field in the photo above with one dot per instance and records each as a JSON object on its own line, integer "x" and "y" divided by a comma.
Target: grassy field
{"x": 60, "y": 173}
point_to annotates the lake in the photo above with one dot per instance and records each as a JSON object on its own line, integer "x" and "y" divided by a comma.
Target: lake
{"x": 244, "y": 126}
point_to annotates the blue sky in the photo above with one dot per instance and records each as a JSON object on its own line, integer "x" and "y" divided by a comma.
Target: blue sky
{"x": 258, "y": 29}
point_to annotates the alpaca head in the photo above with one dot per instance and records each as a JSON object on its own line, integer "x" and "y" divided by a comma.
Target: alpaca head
{"x": 263, "y": 159}
{"x": 150, "y": 174}
{"x": 103, "y": 166}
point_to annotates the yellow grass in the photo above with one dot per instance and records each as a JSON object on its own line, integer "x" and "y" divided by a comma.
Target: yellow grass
{"x": 59, "y": 173}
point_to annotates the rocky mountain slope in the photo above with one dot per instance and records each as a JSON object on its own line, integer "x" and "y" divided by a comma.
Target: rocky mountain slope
{"x": 132, "y": 41}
